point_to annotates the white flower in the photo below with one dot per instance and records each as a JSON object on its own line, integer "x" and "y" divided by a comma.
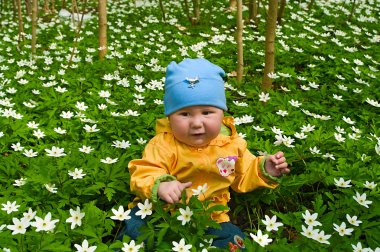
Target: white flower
{"x": 309, "y": 232}
{"x": 370, "y": 185}
{"x": 77, "y": 173}
{"x": 81, "y": 106}
{"x": 60, "y": 131}
{"x": 86, "y": 149}
{"x": 67, "y": 114}
{"x": 30, "y": 153}
{"x": 32, "y": 125}
{"x": 348, "y": 120}
{"x": 131, "y": 247}
{"x": 340, "y": 130}
{"x": 310, "y": 219}
{"x": 181, "y": 246}
{"x": 282, "y": 113}
{"x": 141, "y": 141}
{"x": 295, "y": 103}
{"x": 17, "y": 147}
{"x": 314, "y": 150}
{"x": 271, "y": 223}
{"x": 38, "y": 133}
{"x": 104, "y": 94}
{"x": 353, "y": 220}
{"x": 19, "y": 226}
{"x": 307, "y": 128}
{"x": 258, "y": 128}
{"x": 342, "y": 183}
{"x": 92, "y": 128}
{"x": 145, "y": 209}
{"x": 300, "y": 135}
{"x": 328, "y": 155}
{"x": 76, "y": 217}
{"x": 342, "y": 230}
{"x": 20, "y": 182}
{"x": 377, "y": 148}
{"x": 55, "y": 152}
{"x": 185, "y": 216}
{"x": 10, "y": 207}
{"x": 261, "y": 239}
{"x": 201, "y": 189}
{"x": 362, "y": 199}
{"x": 121, "y": 144}
{"x": 321, "y": 237}
{"x": 264, "y": 97}
{"x": 46, "y": 224}
{"x": 51, "y": 188}
{"x": 29, "y": 215}
{"x": 339, "y": 137}
{"x": 108, "y": 160}
{"x": 120, "y": 214}
{"x": 84, "y": 247}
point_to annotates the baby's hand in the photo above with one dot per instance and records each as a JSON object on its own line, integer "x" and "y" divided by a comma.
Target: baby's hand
{"x": 276, "y": 165}
{"x": 171, "y": 191}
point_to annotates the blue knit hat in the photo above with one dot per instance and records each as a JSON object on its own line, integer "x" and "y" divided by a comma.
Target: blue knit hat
{"x": 193, "y": 82}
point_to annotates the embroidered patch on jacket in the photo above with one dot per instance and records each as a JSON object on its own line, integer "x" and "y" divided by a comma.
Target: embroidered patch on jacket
{"x": 226, "y": 165}
{"x": 239, "y": 241}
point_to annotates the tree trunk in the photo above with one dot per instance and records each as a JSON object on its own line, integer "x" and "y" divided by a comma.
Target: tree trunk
{"x": 270, "y": 35}
{"x": 239, "y": 40}
{"x": 20, "y": 23}
{"x": 196, "y": 12}
{"x": 233, "y": 4}
{"x": 187, "y": 10}
{"x": 63, "y": 4}
{"x": 102, "y": 28}
{"x": 162, "y": 10}
{"x": 14, "y": 5}
{"x": 28, "y": 8}
{"x": 352, "y": 10}
{"x": 310, "y": 5}
{"x": 46, "y": 7}
{"x": 34, "y": 24}
{"x": 52, "y": 6}
{"x": 281, "y": 11}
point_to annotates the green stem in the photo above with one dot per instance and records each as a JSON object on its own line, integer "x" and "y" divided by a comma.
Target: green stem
{"x": 249, "y": 216}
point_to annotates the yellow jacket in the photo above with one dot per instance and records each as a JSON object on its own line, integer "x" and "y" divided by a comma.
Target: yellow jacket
{"x": 225, "y": 162}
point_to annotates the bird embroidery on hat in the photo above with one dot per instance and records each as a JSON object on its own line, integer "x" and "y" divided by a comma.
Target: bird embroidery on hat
{"x": 192, "y": 81}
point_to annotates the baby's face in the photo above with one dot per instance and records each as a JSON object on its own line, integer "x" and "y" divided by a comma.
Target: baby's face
{"x": 196, "y": 125}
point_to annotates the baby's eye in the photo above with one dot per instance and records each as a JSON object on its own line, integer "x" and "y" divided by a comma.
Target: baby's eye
{"x": 184, "y": 113}
{"x": 207, "y": 112}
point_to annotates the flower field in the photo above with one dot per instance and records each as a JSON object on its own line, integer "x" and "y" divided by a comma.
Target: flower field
{"x": 70, "y": 123}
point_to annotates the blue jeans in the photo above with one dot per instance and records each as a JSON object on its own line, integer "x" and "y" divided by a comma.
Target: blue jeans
{"x": 228, "y": 232}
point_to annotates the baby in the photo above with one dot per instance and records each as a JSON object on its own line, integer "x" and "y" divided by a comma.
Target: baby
{"x": 196, "y": 145}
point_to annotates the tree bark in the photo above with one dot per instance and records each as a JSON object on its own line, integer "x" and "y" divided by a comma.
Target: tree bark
{"x": 162, "y": 10}
{"x": 34, "y": 24}
{"x": 20, "y": 23}
{"x": 281, "y": 11}
{"x": 46, "y": 7}
{"x": 352, "y": 10}
{"x": 196, "y": 12}
{"x": 52, "y": 6}
{"x": 270, "y": 35}
{"x": 310, "y": 5}
{"x": 28, "y": 8}
{"x": 233, "y": 5}
{"x": 239, "y": 40}
{"x": 102, "y": 8}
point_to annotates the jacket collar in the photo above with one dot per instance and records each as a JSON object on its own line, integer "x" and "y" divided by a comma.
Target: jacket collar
{"x": 163, "y": 126}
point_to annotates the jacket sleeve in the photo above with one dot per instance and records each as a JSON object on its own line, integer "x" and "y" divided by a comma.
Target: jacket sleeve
{"x": 249, "y": 175}
{"x": 152, "y": 168}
